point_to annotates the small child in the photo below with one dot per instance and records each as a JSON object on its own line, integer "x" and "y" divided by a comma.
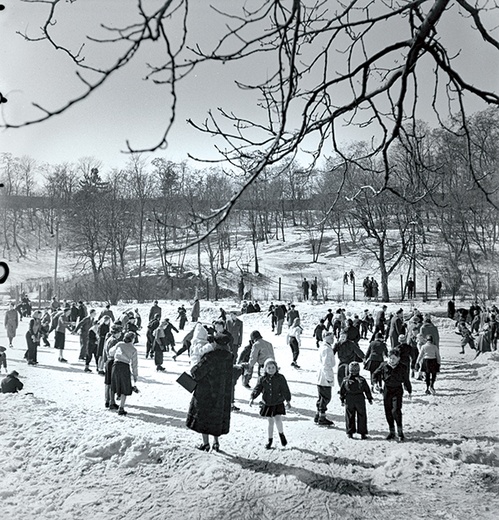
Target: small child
{"x": 318, "y": 331}
{"x": 353, "y": 392}
{"x": 294, "y": 340}
{"x": 275, "y": 391}
{"x": 467, "y": 337}
{"x": 3, "y": 359}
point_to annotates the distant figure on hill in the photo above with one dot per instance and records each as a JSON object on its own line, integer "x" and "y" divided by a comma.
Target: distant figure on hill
{"x": 195, "y": 312}
{"x": 305, "y": 286}
{"x": 11, "y": 323}
{"x": 240, "y": 288}
{"x": 438, "y": 288}
{"x": 313, "y": 288}
{"x": 155, "y": 309}
{"x": 410, "y": 288}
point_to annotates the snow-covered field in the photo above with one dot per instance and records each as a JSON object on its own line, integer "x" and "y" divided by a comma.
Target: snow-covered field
{"x": 64, "y": 456}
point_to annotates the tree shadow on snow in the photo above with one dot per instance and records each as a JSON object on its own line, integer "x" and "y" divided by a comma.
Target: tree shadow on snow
{"x": 331, "y": 459}
{"x": 158, "y": 415}
{"x": 312, "y": 479}
{"x": 61, "y": 368}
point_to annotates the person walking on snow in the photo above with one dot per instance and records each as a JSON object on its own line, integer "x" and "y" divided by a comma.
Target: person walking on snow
{"x": 395, "y": 378}
{"x": 275, "y": 392}
{"x": 353, "y": 394}
{"x": 11, "y": 323}
{"x": 325, "y": 379}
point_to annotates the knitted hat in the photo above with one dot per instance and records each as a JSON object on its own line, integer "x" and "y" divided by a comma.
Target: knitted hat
{"x": 354, "y": 368}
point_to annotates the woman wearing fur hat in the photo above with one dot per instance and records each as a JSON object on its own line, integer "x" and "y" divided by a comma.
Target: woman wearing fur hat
{"x": 275, "y": 392}
{"x": 353, "y": 393}
{"x": 210, "y": 407}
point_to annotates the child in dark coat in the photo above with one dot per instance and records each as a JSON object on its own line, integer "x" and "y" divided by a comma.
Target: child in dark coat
{"x": 318, "y": 331}
{"x": 275, "y": 391}
{"x": 353, "y": 393}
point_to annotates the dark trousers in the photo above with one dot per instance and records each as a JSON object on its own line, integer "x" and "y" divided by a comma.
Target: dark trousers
{"x": 32, "y": 348}
{"x": 248, "y": 374}
{"x": 91, "y": 353}
{"x": 295, "y": 349}
{"x": 236, "y": 374}
{"x": 182, "y": 349}
{"x": 337, "y": 328}
{"x": 342, "y": 373}
{"x": 430, "y": 378}
{"x": 355, "y": 411}
{"x": 158, "y": 356}
{"x": 279, "y": 326}
{"x": 363, "y": 330}
{"x": 324, "y": 398}
{"x": 83, "y": 346}
{"x": 392, "y": 400}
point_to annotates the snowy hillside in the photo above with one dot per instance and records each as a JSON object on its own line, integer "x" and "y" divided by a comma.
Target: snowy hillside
{"x": 64, "y": 456}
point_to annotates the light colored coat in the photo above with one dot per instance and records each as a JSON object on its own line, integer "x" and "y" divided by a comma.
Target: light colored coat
{"x": 325, "y": 374}
{"x": 199, "y": 345}
{"x": 260, "y": 352}
{"x": 126, "y": 353}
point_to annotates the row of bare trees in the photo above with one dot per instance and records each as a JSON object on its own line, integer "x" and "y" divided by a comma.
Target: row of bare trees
{"x": 123, "y": 223}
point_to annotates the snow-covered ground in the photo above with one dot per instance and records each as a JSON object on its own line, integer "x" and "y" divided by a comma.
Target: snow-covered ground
{"x": 64, "y": 456}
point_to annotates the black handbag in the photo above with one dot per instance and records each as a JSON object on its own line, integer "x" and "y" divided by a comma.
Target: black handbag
{"x": 187, "y": 382}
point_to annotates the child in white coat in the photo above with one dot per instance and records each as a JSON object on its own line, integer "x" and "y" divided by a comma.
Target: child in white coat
{"x": 325, "y": 378}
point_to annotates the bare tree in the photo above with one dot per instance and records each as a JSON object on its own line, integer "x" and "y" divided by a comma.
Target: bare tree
{"x": 327, "y": 65}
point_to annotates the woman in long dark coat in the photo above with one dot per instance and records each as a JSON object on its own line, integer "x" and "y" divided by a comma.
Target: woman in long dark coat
{"x": 209, "y": 411}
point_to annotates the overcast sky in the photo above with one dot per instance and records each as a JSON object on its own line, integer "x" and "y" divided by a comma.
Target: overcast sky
{"x": 127, "y": 107}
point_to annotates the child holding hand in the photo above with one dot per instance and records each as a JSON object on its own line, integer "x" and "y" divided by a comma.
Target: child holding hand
{"x": 353, "y": 393}
{"x": 275, "y": 392}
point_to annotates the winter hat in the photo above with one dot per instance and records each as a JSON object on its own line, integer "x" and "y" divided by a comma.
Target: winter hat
{"x": 329, "y": 338}
{"x": 200, "y": 333}
{"x": 2, "y": 349}
{"x": 14, "y": 373}
{"x": 354, "y": 368}
{"x": 401, "y": 338}
{"x": 129, "y": 337}
{"x": 255, "y": 335}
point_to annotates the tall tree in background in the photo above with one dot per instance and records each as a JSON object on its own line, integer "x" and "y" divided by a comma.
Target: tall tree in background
{"x": 316, "y": 68}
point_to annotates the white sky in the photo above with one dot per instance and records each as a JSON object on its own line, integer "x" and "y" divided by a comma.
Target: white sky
{"x": 127, "y": 107}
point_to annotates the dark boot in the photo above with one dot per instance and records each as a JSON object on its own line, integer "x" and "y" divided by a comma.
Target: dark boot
{"x": 284, "y": 441}
{"x": 391, "y": 435}
{"x": 400, "y": 434}
{"x": 269, "y": 444}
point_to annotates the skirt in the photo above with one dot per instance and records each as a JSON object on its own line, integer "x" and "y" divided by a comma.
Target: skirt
{"x": 272, "y": 410}
{"x": 121, "y": 383}
{"x": 430, "y": 365}
{"x": 60, "y": 339}
{"x": 108, "y": 371}
{"x": 371, "y": 365}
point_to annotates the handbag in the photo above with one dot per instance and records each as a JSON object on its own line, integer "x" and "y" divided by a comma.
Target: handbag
{"x": 187, "y": 382}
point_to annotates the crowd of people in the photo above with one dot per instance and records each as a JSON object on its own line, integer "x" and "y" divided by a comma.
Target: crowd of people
{"x": 401, "y": 348}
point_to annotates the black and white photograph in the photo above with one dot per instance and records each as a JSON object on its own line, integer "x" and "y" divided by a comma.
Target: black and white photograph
{"x": 248, "y": 259}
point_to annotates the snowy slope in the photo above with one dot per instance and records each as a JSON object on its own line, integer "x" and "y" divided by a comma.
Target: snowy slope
{"x": 64, "y": 456}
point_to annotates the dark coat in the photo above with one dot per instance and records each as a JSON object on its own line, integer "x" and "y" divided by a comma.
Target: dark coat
{"x": 348, "y": 351}
{"x": 274, "y": 389}
{"x": 10, "y": 385}
{"x": 209, "y": 411}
